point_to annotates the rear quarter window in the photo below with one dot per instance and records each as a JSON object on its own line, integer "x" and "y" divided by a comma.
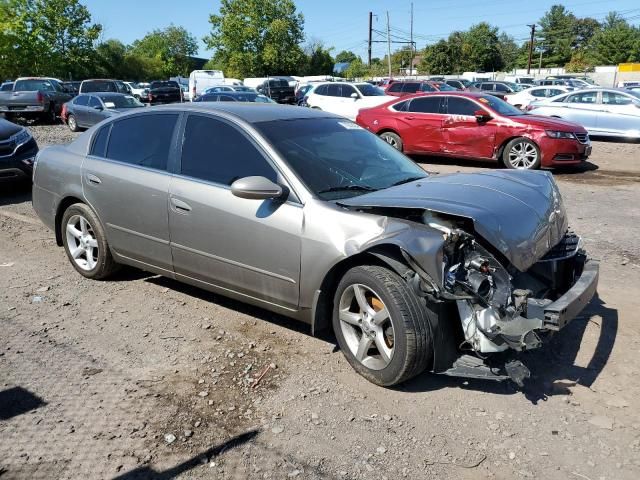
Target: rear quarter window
{"x": 99, "y": 146}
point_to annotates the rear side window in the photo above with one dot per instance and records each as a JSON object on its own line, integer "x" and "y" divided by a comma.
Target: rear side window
{"x": 501, "y": 88}
{"x": 395, "y": 87}
{"x": 217, "y": 152}
{"x": 99, "y": 146}
{"x": 461, "y": 106}
{"x": 348, "y": 90}
{"x": 321, "y": 90}
{"x": 143, "y": 140}
{"x": 81, "y": 100}
{"x": 585, "y": 97}
{"x": 425, "y": 105}
{"x": 425, "y": 87}
{"x": 411, "y": 87}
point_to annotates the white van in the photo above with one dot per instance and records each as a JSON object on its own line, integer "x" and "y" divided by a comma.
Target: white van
{"x": 200, "y": 80}
{"x": 519, "y": 79}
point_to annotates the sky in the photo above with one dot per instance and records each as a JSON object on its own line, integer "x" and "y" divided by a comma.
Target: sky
{"x": 343, "y": 24}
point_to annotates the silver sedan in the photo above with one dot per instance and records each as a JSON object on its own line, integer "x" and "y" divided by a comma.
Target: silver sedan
{"x": 306, "y": 214}
{"x": 604, "y": 112}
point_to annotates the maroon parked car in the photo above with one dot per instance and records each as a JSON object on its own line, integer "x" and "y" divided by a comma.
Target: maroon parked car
{"x": 409, "y": 87}
{"x": 479, "y": 126}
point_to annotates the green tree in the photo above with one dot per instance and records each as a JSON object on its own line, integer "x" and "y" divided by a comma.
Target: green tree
{"x": 481, "y": 48}
{"x": 255, "y": 38}
{"x": 509, "y": 51}
{"x": 579, "y": 63}
{"x": 319, "y": 60}
{"x": 585, "y": 29}
{"x": 346, "y": 56}
{"x": 437, "y": 59}
{"x": 169, "y": 50}
{"x": 356, "y": 69}
{"x": 617, "y": 42}
{"x": 557, "y": 35}
{"x": 47, "y": 37}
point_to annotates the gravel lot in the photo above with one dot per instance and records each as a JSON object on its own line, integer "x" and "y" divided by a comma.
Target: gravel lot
{"x": 143, "y": 377}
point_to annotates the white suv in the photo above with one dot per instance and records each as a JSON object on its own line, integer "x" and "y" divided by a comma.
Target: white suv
{"x": 346, "y": 99}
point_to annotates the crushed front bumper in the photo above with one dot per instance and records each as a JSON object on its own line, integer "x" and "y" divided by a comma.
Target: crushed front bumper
{"x": 556, "y": 314}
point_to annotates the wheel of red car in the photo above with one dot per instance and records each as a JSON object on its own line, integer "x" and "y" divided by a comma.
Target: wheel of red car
{"x": 381, "y": 325}
{"x": 71, "y": 122}
{"x": 521, "y": 154}
{"x": 392, "y": 139}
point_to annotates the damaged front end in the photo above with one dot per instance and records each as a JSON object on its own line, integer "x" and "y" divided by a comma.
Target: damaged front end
{"x": 502, "y": 308}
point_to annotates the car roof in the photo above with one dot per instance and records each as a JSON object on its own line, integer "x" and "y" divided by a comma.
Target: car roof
{"x": 249, "y": 112}
{"x": 233, "y": 93}
{"x": 106, "y": 94}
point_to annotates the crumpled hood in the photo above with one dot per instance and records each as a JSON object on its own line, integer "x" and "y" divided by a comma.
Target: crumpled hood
{"x": 520, "y": 213}
{"x": 550, "y": 123}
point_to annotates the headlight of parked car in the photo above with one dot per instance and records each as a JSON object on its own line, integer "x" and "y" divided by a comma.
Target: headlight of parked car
{"x": 557, "y": 134}
{"x": 22, "y": 137}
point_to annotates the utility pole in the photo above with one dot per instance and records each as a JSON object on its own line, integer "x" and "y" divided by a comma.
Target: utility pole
{"x": 411, "y": 30}
{"x": 533, "y": 32}
{"x": 370, "y": 35}
{"x": 389, "y": 44}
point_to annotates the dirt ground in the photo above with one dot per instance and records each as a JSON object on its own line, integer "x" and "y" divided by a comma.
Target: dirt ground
{"x": 143, "y": 377}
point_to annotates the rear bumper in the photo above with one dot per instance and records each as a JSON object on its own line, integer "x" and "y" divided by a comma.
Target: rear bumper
{"x": 23, "y": 109}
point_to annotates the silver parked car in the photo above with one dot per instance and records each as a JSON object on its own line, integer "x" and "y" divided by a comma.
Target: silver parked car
{"x": 306, "y": 214}
{"x": 605, "y": 112}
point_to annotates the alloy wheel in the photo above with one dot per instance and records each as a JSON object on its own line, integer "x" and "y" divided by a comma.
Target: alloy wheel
{"x": 390, "y": 140}
{"x": 72, "y": 123}
{"x": 82, "y": 242}
{"x": 523, "y": 155}
{"x": 366, "y": 326}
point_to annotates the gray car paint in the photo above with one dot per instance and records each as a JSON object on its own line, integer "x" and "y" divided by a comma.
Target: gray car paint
{"x": 277, "y": 255}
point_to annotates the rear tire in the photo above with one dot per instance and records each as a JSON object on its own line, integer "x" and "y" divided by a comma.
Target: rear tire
{"x": 392, "y": 139}
{"x": 381, "y": 325}
{"x": 86, "y": 244}
{"x": 71, "y": 122}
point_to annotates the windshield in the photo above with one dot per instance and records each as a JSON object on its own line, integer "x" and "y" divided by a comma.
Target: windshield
{"x": 336, "y": 158}
{"x": 635, "y": 93}
{"x": 500, "y": 106}
{"x": 117, "y": 101}
{"x": 369, "y": 90}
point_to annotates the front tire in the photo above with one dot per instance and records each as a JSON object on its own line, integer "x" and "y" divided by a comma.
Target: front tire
{"x": 392, "y": 139}
{"x": 521, "y": 154}
{"x": 86, "y": 244}
{"x": 381, "y": 325}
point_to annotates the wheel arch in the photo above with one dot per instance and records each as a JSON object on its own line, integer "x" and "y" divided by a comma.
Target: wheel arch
{"x": 500, "y": 149}
{"x": 62, "y": 207}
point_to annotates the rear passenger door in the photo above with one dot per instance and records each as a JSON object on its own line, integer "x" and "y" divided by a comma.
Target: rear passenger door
{"x": 247, "y": 246}
{"x": 125, "y": 181}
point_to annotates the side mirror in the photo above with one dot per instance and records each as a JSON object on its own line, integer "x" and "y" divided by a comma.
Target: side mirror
{"x": 256, "y": 188}
{"x": 355, "y": 96}
{"x": 482, "y": 116}
{"x": 98, "y": 107}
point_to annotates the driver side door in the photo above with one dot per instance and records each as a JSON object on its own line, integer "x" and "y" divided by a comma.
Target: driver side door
{"x": 463, "y": 135}
{"x": 251, "y": 247}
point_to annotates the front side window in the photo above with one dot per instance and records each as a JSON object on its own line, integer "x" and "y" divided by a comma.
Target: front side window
{"x": 486, "y": 86}
{"x": 94, "y": 103}
{"x": 218, "y": 152}
{"x": 461, "y": 106}
{"x": 334, "y": 90}
{"x": 81, "y": 100}
{"x": 425, "y": 105}
{"x": 396, "y": 87}
{"x": 348, "y": 90}
{"x": 321, "y": 90}
{"x": 612, "y": 98}
{"x": 142, "y": 140}
{"x": 538, "y": 92}
{"x": 501, "y": 88}
{"x": 554, "y": 91}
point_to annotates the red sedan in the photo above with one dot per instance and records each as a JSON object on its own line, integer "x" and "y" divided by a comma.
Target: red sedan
{"x": 480, "y": 126}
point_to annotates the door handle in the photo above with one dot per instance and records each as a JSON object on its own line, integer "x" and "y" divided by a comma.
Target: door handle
{"x": 410, "y": 118}
{"x": 93, "y": 179}
{"x": 180, "y": 206}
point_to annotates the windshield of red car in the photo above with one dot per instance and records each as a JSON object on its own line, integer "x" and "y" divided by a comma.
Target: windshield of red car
{"x": 337, "y": 159}
{"x": 499, "y": 106}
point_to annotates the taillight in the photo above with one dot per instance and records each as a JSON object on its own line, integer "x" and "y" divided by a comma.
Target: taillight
{"x": 63, "y": 113}
{"x": 40, "y": 97}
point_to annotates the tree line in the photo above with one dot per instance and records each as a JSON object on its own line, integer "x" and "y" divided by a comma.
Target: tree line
{"x": 255, "y": 38}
